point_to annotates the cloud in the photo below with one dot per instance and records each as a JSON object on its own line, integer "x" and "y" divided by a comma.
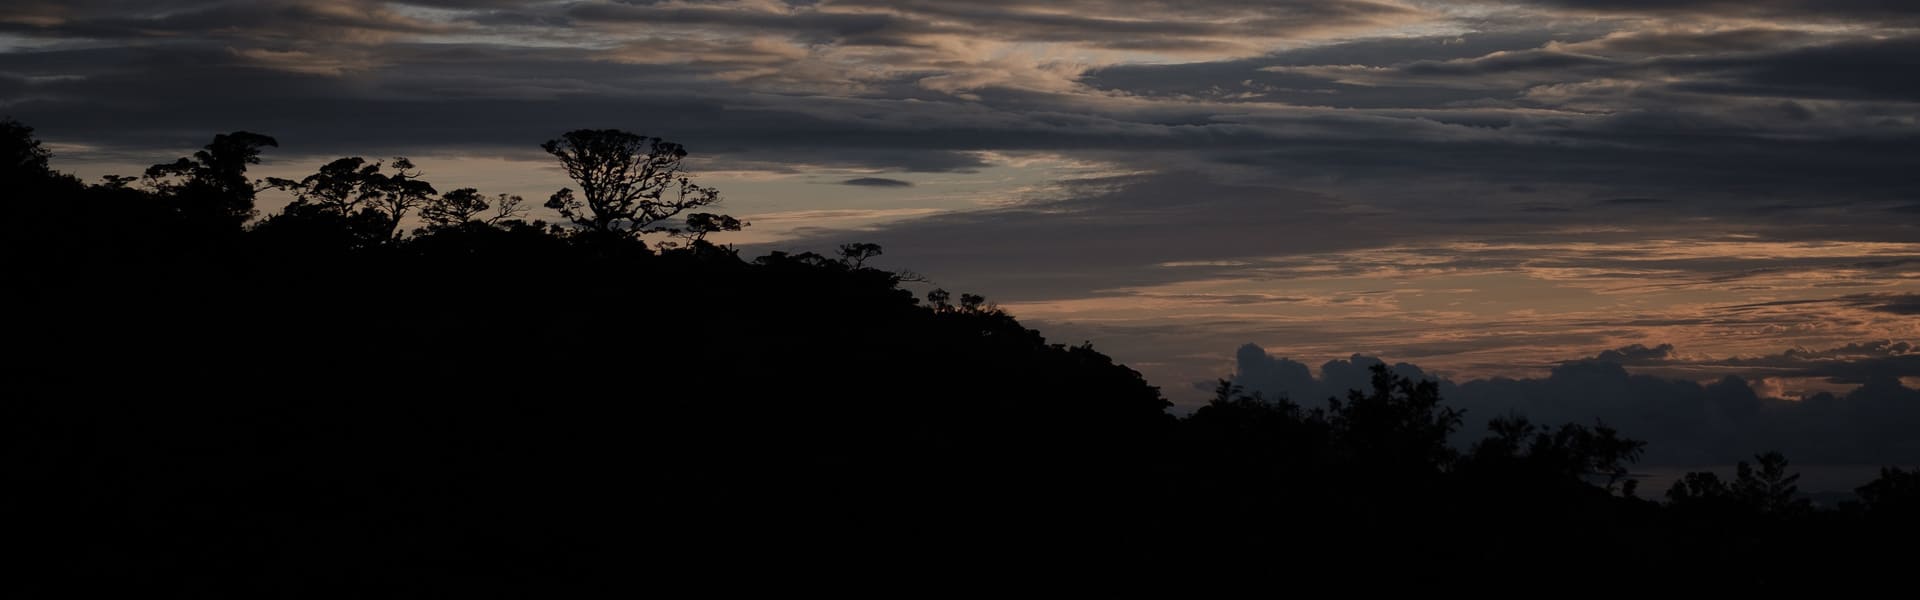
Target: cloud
{"x": 1731, "y": 114}
{"x": 1685, "y": 423}
{"x": 1899, "y": 304}
{"x": 877, "y": 182}
{"x": 1714, "y": 63}
{"x": 1893, "y": 303}
{"x": 1636, "y": 353}
{"x": 1280, "y": 378}
{"x": 1869, "y": 11}
{"x": 256, "y": 21}
{"x": 1081, "y": 21}
{"x": 1105, "y": 233}
{"x": 1852, "y": 364}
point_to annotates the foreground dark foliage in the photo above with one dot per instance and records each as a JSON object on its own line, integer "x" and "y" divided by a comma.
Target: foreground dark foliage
{"x": 320, "y": 403}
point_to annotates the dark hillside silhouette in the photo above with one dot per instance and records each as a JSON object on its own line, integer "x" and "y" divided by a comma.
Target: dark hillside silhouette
{"x": 339, "y": 398}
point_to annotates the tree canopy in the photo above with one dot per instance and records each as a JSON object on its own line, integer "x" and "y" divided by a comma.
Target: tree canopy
{"x": 629, "y": 184}
{"x": 213, "y": 182}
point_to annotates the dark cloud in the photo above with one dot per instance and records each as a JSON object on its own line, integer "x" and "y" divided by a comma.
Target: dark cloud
{"x": 877, "y": 182}
{"x": 1723, "y": 64}
{"x": 1904, "y": 304}
{"x": 351, "y": 21}
{"x": 1854, "y": 363}
{"x": 820, "y": 26}
{"x": 1507, "y": 62}
{"x": 1899, "y": 304}
{"x": 1849, "y": 70}
{"x": 1110, "y": 233}
{"x": 1685, "y": 423}
{"x": 1873, "y": 11}
{"x": 1690, "y": 43}
{"x": 1090, "y": 20}
{"x": 1266, "y": 79}
{"x": 1636, "y": 353}
{"x": 1184, "y": 26}
{"x": 1113, "y": 233}
{"x": 458, "y": 104}
{"x": 507, "y": 97}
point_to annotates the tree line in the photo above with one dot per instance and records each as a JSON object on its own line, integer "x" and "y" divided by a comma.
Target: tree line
{"x": 323, "y": 400}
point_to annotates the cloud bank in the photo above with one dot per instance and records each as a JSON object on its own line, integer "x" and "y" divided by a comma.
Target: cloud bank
{"x": 1685, "y": 422}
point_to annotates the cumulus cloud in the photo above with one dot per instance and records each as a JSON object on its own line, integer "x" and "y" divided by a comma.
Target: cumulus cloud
{"x": 1685, "y": 422}
{"x": 1636, "y": 353}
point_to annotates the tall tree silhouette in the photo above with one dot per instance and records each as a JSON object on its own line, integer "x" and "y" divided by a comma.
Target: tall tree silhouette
{"x": 400, "y": 192}
{"x": 212, "y": 184}
{"x": 1401, "y": 426}
{"x": 628, "y": 182}
{"x": 858, "y": 253}
{"x": 21, "y": 156}
{"x": 339, "y": 186}
{"x": 356, "y": 190}
{"x": 1767, "y": 485}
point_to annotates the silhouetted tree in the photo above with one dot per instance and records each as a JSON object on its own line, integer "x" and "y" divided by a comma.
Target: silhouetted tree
{"x": 1246, "y": 446}
{"x": 1700, "y": 488}
{"x": 1568, "y": 455}
{"x": 399, "y": 192}
{"x": 628, "y": 182}
{"x": 1763, "y": 489}
{"x": 339, "y": 186}
{"x": 1401, "y": 426}
{"x": 466, "y": 205}
{"x": 454, "y": 208}
{"x": 212, "y": 184}
{"x": 44, "y": 214}
{"x": 21, "y": 156}
{"x": 357, "y": 191}
{"x": 858, "y": 253}
{"x": 698, "y": 226}
{"x": 1895, "y": 493}
{"x": 1767, "y": 486}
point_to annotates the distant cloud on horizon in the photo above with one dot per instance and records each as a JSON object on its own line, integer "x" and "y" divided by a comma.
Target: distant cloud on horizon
{"x": 1685, "y": 422}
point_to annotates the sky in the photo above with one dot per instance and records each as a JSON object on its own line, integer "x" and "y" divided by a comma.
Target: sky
{"x": 1506, "y": 190}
